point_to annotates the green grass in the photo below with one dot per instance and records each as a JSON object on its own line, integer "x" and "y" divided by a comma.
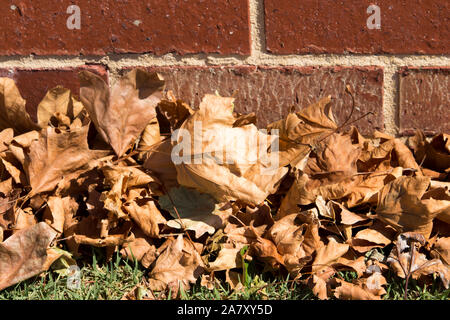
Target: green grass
{"x": 110, "y": 281}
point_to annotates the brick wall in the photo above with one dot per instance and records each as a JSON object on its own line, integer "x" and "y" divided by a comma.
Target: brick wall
{"x": 271, "y": 54}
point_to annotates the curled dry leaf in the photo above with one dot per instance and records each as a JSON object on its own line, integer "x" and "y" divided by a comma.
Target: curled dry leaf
{"x": 301, "y": 130}
{"x": 141, "y": 248}
{"x": 196, "y": 210}
{"x": 58, "y": 101}
{"x": 400, "y": 204}
{"x": 441, "y": 250}
{"x": 230, "y": 166}
{"x": 144, "y": 213}
{"x": 58, "y": 155}
{"x": 122, "y": 113}
{"x": 406, "y": 260}
{"x": 12, "y": 108}
{"x": 23, "y": 254}
{"x": 158, "y": 161}
{"x": 434, "y": 155}
{"x": 228, "y": 258}
{"x": 178, "y": 263}
{"x": 350, "y": 291}
{"x": 327, "y": 255}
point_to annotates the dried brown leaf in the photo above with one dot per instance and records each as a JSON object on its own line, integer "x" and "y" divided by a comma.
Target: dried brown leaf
{"x": 23, "y": 254}
{"x": 122, "y": 113}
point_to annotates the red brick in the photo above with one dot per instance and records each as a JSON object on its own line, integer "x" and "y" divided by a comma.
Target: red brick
{"x": 108, "y": 26}
{"x": 329, "y": 26}
{"x": 271, "y": 91}
{"x": 33, "y": 84}
{"x": 424, "y": 100}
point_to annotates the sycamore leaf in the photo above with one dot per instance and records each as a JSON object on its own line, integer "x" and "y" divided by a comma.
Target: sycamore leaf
{"x": 178, "y": 263}
{"x": 441, "y": 250}
{"x": 228, "y": 258}
{"x": 159, "y": 161}
{"x": 400, "y": 204}
{"x": 12, "y": 108}
{"x": 122, "y": 113}
{"x": 195, "y": 209}
{"x": 302, "y": 130}
{"x": 228, "y": 163}
{"x": 327, "y": 255}
{"x": 404, "y": 259}
{"x": 435, "y": 154}
{"x": 58, "y": 155}
{"x": 350, "y": 291}
{"x": 145, "y": 214}
{"x": 58, "y": 100}
{"x": 23, "y": 254}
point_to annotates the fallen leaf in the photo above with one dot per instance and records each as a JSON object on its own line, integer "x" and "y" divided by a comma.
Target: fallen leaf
{"x": 122, "y": 113}
{"x": 58, "y": 100}
{"x": 196, "y": 210}
{"x": 145, "y": 214}
{"x": 58, "y": 155}
{"x": 441, "y": 250}
{"x": 223, "y": 161}
{"x": 350, "y": 291}
{"x": 406, "y": 260}
{"x": 12, "y": 108}
{"x": 327, "y": 255}
{"x": 178, "y": 263}
{"x": 400, "y": 205}
{"x": 23, "y": 254}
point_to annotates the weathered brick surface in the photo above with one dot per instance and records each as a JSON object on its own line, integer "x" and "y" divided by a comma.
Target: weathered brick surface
{"x": 424, "y": 100}
{"x": 270, "y": 92}
{"x": 330, "y": 26}
{"x": 33, "y": 84}
{"x": 125, "y": 26}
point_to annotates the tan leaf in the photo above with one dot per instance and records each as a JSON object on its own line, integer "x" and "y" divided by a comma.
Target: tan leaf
{"x": 24, "y": 219}
{"x": 135, "y": 177}
{"x": 286, "y": 234}
{"x": 179, "y": 262}
{"x": 175, "y": 111}
{"x": 159, "y": 161}
{"x": 266, "y": 251}
{"x": 22, "y": 142}
{"x": 23, "y": 254}
{"x": 327, "y": 255}
{"x": 150, "y": 137}
{"x": 58, "y": 155}
{"x": 141, "y": 248}
{"x": 405, "y": 259}
{"x": 358, "y": 265}
{"x": 58, "y": 100}
{"x": 303, "y": 129}
{"x": 228, "y": 258}
{"x": 230, "y": 166}
{"x": 12, "y": 108}
{"x": 441, "y": 250}
{"x": 122, "y": 113}
{"x": 435, "y": 154}
{"x": 319, "y": 287}
{"x": 59, "y": 212}
{"x": 400, "y": 204}
{"x": 146, "y": 215}
{"x": 350, "y": 291}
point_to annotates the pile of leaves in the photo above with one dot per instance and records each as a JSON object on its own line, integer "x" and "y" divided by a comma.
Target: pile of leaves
{"x": 100, "y": 172}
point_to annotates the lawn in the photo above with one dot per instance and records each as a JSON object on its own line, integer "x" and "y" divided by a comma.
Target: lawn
{"x": 110, "y": 281}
